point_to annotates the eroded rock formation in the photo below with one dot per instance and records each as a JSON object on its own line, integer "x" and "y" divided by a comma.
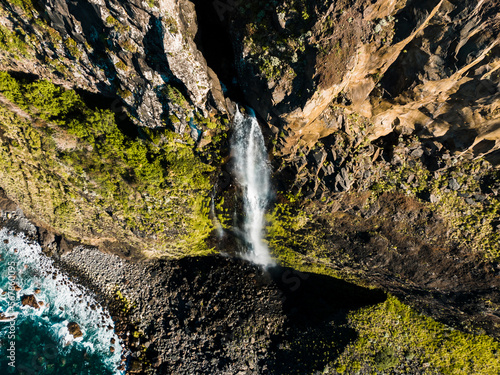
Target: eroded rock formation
{"x": 382, "y": 119}
{"x": 127, "y": 50}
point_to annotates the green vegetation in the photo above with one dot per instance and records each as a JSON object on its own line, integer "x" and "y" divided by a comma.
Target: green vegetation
{"x": 72, "y": 47}
{"x": 274, "y": 53}
{"x": 128, "y": 45}
{"x": 94, "y": 183}
{"x": 13, "y": 41}
{"x": 411, "y": 177}
{"x": 296, "y": 240}
{"x": 175, "y": 96}
{"x": 26, "y": 5}
{"x": 171, "y": 24}
{"x": 117, "y": 25}
{"x": 393, "y": 336}
{"x": 125, "y": 304}
{"x": 389, "y": 335}
{"x": 472, "y": 222}
{"x": 121, "y": 65}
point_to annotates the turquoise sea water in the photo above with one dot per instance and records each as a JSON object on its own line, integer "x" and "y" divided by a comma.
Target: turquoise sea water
{"x": 37, "y": 341}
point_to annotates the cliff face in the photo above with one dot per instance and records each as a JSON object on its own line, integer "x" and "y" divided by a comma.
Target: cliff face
{"x": 425, "y": 68}
{"x": 381, "y": 117}
{"x": 408, "y": 66}
{"x": 131, "y": 51}
{"x": 135, "y": 66}
{"x": 385, "y": 121}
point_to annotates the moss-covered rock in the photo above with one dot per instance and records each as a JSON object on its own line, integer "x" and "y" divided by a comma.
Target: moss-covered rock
{"x": 72, "y": 168}
{"x": 393, "y": 339}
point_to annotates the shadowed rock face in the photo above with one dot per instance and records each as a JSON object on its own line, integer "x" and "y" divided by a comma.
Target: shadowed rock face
{"x": 218, "y": 315}
{"x": 127, "y": 50}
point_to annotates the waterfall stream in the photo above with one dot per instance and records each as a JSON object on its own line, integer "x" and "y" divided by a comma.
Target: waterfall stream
{"x": 253, "y": 175}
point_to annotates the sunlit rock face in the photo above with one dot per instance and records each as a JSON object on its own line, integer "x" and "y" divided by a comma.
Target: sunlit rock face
{"x": 404, "y": 65}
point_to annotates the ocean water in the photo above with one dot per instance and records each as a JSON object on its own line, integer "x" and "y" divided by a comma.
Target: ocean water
{"x": 37, "y": 341}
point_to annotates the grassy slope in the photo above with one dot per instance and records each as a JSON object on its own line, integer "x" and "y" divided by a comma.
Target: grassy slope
{"x": 391, "y": 337}
{"x": 71, "y": 167}
{"x": 394, "y": 337}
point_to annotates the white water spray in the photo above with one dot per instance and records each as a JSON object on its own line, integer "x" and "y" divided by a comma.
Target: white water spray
{"x": 63, "y": 301}
{"x": 253, "y": 174}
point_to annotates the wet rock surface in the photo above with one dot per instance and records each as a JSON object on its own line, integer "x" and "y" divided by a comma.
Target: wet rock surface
{"x": 74, "y": 329}
{"x": 30, "y": 300}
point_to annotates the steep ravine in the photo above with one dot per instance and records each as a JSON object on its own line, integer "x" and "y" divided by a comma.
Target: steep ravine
{"x": 381, "y": 119}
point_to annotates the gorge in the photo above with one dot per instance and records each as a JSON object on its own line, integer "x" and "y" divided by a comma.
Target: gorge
{"x": 369, "y": 172}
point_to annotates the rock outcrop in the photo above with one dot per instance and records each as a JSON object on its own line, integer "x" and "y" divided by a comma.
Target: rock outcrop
{"x": 130, "y": 51}
{"x": 30, "y": 300}
{"x": 74, "y": 330}
{"x": 405, "y": 65}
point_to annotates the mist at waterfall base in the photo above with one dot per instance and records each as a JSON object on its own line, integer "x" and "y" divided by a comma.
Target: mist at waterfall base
{"x": 42, "y": 342}
{"x": 252, "y": 172}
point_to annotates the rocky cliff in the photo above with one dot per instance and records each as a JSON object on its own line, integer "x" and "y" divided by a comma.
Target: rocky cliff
{"x": 381, "y": 118}
{"x": 131, "y": 51}
{"x": 407, "y": 66}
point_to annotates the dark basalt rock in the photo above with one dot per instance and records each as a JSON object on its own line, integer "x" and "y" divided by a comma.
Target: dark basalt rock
{"x": 221, "y": 315}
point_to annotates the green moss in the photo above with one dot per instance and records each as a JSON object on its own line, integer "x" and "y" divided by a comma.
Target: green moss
{"x": 13, "y": 42}
{"x": 117, "y": 25}
{"x": 127, "y": 45}
{"x": 126, "y": 306}
{"x": 472, "y": 223}
{"x": 121, "y": 65}
{"x": 274, "y": 53}
{"x": 26, "y": 5}
{"x": 297, "y": 241}
{"x": 389, "y": 335}
{"x": 170, "y": 24}
{"x": 88, "y": 180}
{"x": 72, "y": 47}
{"x": 393, "y": 336}
{"x": 175, "y": 96}
{"x": 124, "y": 93}
{"x": 174, "y": 119}
{"x": 411, "y": 177}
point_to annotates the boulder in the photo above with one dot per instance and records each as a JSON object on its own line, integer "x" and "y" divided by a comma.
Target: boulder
{"x": 74, "y": 329}
{"x": 30, "y": 300}
{"x": 5, "y": 317}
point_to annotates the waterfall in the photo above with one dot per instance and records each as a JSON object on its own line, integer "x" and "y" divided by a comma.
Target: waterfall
{"x": 253, "y": 175}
